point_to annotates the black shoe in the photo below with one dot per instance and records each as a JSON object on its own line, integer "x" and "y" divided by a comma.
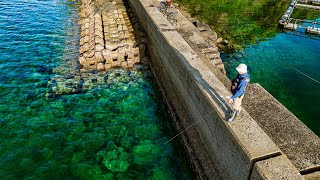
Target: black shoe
{"x": 233, "y": 115}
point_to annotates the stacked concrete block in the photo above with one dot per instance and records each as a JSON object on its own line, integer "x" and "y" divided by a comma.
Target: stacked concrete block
{"x": 119, "y": 38}
{"x": 87, "y": 40}
{"x": 99, "y": 42}
{"x": 108, "y": 39}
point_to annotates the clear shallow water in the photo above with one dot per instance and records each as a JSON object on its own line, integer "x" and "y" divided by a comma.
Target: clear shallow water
{"x": 275, "y": 62}
{"x": 115, "y": 131}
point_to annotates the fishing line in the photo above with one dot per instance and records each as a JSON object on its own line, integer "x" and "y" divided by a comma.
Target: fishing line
{"x": 227, "y": 97}
{"x": 182, "y": 131}
{"x": 305, "y": 75}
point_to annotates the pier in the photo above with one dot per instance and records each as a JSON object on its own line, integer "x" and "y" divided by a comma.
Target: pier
{"x": 313, "y": 2}
{"x": 306, "y": 6}
{"x": 311, "y": 27}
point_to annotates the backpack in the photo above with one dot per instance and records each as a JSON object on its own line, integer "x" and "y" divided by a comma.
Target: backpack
{"x": 235, "y": 83}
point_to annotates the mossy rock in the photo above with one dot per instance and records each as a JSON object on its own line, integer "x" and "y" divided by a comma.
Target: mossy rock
{"x": 116, "y": 160}
{"x": 27, "y": 163}
{"x": 117, "y": 165}
{"x": 46, "y": 153}
{"x": 146, "y": 153}
{"x": 108, "y": 176}
{"x": 126, "y": 141}
{"x": 86, "y": 171}
{"x": 144, "y": 132}
{"x": 116, "y": 131}
{"x": 77, "y": 157}
{"x": 161, "y": 174}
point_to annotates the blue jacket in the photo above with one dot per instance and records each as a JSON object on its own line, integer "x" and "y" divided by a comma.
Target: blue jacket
{"x": 243, "y": 82}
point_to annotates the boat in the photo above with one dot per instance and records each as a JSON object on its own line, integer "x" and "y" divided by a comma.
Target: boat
{"x": 313, "y": 30}
{"x": 291, "y": 26}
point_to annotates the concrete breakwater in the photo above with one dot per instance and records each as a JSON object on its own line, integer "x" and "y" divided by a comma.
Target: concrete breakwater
{"x": 107, "y": 38}
{"x": 239, "y": 150}
{"x": 110, "y": 37}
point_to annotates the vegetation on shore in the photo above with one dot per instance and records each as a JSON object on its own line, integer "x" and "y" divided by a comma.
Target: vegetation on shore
{"x": 305, "y": 14}
{"x": 241, "y": 21}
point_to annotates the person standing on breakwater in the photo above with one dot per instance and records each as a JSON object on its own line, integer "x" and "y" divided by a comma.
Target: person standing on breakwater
{"x": 238, "y": 88}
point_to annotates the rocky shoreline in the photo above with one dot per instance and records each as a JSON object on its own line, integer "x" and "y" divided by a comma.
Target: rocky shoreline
{"x": 211, "y": 36}
{"x": 200, "y": 37}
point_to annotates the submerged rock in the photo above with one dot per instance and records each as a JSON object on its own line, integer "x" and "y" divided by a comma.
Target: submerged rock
{"x": 146, "y": 152}
{"x": 116, "y": 160}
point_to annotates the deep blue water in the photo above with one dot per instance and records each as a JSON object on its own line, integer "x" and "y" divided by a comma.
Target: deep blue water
{"x": 275, "y": 64}
{"x": 113, "y": 131}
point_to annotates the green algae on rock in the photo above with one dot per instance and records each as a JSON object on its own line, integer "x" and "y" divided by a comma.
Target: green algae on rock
{"x": 63, "y": 137}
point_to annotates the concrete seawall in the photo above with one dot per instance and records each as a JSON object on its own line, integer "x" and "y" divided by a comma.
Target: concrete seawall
{"x": 217, "y": 149}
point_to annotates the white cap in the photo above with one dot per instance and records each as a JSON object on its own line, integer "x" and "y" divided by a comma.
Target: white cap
{"x": 242, "y": 68}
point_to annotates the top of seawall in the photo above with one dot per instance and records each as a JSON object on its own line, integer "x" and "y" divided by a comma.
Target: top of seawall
{"x": 294, "y": 138}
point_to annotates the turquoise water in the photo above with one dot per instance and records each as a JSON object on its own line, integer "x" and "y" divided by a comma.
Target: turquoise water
{"x": 113, "y": 131}
{"x": 275, "y": 64}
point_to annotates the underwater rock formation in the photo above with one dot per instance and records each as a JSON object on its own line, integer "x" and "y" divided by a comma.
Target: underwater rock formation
{"x": 110, "y": 37}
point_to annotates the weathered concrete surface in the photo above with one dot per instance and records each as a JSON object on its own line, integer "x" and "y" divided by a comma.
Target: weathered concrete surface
{"x": 300, "y": 144}
{"x": 296, "y": 140}
{"x": 275, "y": 168}
{"x": 200, "y": 40}
{"x": 312, "y": 176}
{"x": 234, "y": 147}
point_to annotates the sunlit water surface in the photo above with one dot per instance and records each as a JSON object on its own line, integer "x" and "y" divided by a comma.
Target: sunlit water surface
{"x": 116, "y": 131}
